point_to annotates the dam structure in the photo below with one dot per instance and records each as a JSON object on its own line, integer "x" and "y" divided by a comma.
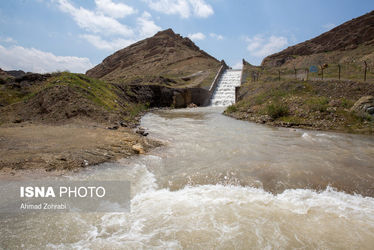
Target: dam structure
{"x": 224, "y": 94}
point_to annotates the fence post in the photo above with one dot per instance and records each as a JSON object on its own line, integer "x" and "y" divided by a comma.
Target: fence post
{"x": 294, "y": 68}
{"x": 339, "y": 71}
{"x": 366, "y": 66}
{"x": 307, "y": 73}
{"x": 321, "y": 66}
{"x": 255, "y": 77}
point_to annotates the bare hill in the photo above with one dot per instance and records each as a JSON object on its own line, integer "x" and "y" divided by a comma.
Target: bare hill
{"x": 166, "y": 58}
{"x": 349, "y": 42}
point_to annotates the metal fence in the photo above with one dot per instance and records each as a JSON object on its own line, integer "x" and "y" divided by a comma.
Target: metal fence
{"x": 346, "y": 72}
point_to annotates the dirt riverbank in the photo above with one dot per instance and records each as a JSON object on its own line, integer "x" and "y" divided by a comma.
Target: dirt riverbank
{"x": 59, "y": 148}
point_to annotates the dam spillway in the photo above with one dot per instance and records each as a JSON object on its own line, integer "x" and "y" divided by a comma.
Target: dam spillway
{"x": 224, "y": 94}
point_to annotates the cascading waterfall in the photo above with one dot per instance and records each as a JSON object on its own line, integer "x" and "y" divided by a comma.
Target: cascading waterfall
{"x": 224, "y": 95}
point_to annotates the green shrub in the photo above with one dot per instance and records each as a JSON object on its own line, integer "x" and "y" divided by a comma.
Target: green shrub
{"x": 361, "y": 116}
{"x": 231, "y": 109}
{"x": 318, "y": 104}
{"x": 346, "y": 103}
{"x": 133, "y": 109}
{"x": 292, "y": 119}
{"x": 260, "y": 99}
{"x": 277, "y": 110}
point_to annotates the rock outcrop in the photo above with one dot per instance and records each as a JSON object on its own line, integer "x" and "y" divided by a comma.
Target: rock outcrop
{"x": 17, "y": 73}
{"x": 162, "y": 96}
{"x": 4, "y": 76}
{"x": 364, "y": 105}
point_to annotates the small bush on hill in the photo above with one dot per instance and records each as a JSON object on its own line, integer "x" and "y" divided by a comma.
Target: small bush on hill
{"x": 318, "y": 104}
{"x": 346, "y": 103}
{"x": 277, "y": 110}
{"x": 231, "y": 109}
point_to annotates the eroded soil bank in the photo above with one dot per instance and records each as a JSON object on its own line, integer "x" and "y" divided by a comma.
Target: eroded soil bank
{"x": 53, "y": 149}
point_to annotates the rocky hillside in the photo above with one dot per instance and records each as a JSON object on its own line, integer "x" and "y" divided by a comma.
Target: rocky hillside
{"x": 352, "y": 41}
{"x": 65, "y": 97}
{"x": 166, "y": 59}
{"x": 4, "y": 76}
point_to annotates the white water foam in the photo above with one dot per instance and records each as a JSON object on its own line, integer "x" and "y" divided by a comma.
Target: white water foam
{"x": 202, "y": 217}
{"x": 224, "y": 95}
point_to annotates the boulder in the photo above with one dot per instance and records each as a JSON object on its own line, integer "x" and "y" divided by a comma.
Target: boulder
{"x": 192, "y": 105}
{"x": 113, "y": 127}
{"x": 123, "y": 124}
{"x": 141, "y": 131}
{"x": 364, "y": 105}
{"x": 138, "y": 148}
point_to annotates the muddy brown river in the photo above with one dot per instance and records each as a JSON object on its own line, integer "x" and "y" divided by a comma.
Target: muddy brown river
{"x": 220, "y": 183}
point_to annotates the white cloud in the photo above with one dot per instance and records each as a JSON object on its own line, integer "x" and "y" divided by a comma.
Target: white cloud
{"x": 196, "y": 36}
{"x": 329, "y": 26}
{"x": 184, "y": 8}
{"x": 147, "y": 27}
{"x": 216, "y": 36}
{"x": 111, "y": 45}
{"x": 201, "y": 9}
{"x": 115, "y": 10}
{"x": 180, "y": 7}
{"x": 103, "y": 22}
{"x": 33, "y": 60}
{"x": 7, "y": 40}
{"x": 259, "y": 46}
{"x": 94, "y": 22}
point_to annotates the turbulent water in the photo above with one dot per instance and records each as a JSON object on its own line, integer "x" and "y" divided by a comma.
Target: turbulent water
{"x": 220, "y": 183}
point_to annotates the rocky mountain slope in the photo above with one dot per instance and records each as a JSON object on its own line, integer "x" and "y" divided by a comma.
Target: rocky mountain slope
{"x": 4, "y": 76}
{"x": 349, "y": 42}
{"x": 166, "y": 59}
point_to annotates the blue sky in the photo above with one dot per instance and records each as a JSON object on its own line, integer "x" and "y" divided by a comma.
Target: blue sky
{"x": 75, "y": 35}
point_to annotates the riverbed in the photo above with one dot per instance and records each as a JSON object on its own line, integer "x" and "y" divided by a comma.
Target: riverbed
{"x": 220, "y": 183}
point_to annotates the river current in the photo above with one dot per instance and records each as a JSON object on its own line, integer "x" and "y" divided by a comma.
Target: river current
{"x": 220, "y": 183}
